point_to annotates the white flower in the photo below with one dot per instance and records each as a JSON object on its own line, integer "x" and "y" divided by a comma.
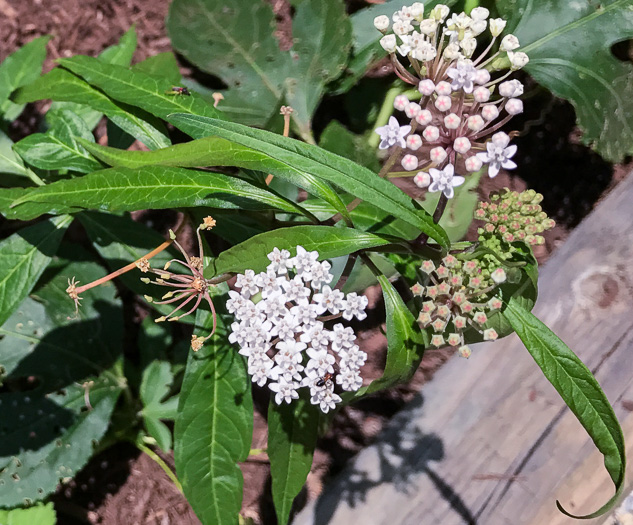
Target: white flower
{"x": 402, "y": 28}
{"x": 304, "y": 261}
{"x": 306, "y": 314}
{"x": 509, "y": 43}
{"x": 468, "y": 46}
{"x": 321, "y": 361}
{"x": 269, "y": 283}
{"x": 274, "y": 308}
{"x": 239, "y": 333}
{"x": 326, "y": 399}
{"x": 354, "y": 306}
{"x": 404, "y": 15}
{"x": 381, "y": 23}
{"x": 285, "y": 391}
{"x": 451, "y": 52}
{"x": 260, "y": 369}
{"x": 424, "y": 51}
{"x": 517, "y": 60}
{"x": 417, "y": 10}
{"x": 289, "y": 350}
{"x": 498, "y": 154}
{"x": 247, "y": 283}
{"x": 330, "y": 300}
{"x": 511, "y": 88}
{"x": 353, "y": 357}
{"x": 317, "y": 337}
{"x": 428, "y": 27}
{"x": 463, "y": 76}
{"x": 279, "y": 261}
{"x": 349, "y": 379}
{"x": 478, "y": 27}
{"x": 296, "y": 291}
{"x": 389, "y": 43}
{"x": 392, "y": 134}
{"x": 445, "y": 180}
{"x": 321, "y": 275}
{"x": 286, "y": 327}
{"x": 440, "y": 12}
{"x": 341, "y": 337}
{"x": 457, "y": 23}
{"x": 479, "y": 13}
{"x": 236, "y": 303}
{"x": 497, "y": 25}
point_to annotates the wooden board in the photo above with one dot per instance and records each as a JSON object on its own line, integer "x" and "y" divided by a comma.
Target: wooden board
{"x": 489, "y": 441}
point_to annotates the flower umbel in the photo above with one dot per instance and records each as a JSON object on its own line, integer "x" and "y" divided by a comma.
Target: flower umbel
{"x": 284, "y": 327}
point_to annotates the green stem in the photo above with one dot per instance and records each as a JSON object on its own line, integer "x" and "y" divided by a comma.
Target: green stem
{"x": 160, "y": 463}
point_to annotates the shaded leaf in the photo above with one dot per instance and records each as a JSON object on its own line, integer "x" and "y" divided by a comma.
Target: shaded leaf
{"x": 9, "y": 161}
{"x": 292, "y": 436}
{"x": 214, "y": 426}
{"x": 161, "y": 65}
{"x": 19, "y": 69}
{"x": 580, "y": 392}
{"x": 155, "y": 386}
{"x": 23, "y": 257}
{"x": 569, "y": 45}
{"x": 58, "y": 147}
{"x": 153, "y": 187}
{"x": 323, "y": 165}
{"x": 40, "y": 514}
{"x": 338, "y": 139}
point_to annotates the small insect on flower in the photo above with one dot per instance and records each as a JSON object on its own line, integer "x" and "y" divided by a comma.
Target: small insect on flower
{"x": 323, "y": 381}
{"x": 178, "y": 90}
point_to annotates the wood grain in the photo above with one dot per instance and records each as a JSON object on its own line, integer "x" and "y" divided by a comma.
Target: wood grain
{"x": 489, "y": 441}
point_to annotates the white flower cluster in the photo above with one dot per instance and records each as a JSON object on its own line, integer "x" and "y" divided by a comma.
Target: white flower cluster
{"x": 281, "y": 317}
{"x": 460, "y": 104}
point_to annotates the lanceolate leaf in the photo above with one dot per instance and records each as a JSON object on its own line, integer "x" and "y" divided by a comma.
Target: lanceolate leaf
{"x": 9, "y": 161}
{"x": 154, "y": 187}
{"x": 122, "y": 52}
{"x": 161, "y": 65}
{"x": 23, "y": 257}
{"x": 580, "y": 391}
{"x": 27, "y": 211}
{"x": 214, "y": 426}
{"x": 58, "y": 148}
{"x": 64, "y": 86}
{"x": 406, "y": 342}
{"x": 328, "y": 240}
{"x": 324, "y": 165}
{"x": 214, "y": 151}
{"x": 292, "y": 435}
{"x": 18, "y": 69}
{"x": 137, "y": 88}
{"x": 569, "y": 45}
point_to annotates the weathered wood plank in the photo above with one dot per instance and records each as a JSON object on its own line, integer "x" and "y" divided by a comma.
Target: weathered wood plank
{"x": 489, "y": 441}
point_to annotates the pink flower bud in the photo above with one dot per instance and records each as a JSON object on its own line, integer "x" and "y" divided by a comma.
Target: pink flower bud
{"x": 414, "y": 142}
{"x": 437, "y": 154}
{"x": 424, "y": 118}
{"x": 475, "y": 123}
{"x": 481, "y": 94}
{"x": 426, "y": 87}
{"x": 443, "y": 88}
{"x": 424, "y": 319}
{"x": 490, "y": 112}
{"x": 452, "y": 121}
{"x": 490, "y": 334}
{"x": 459, "y": 322}
{"x": 400, "y": 102}
{"x": 437, "y": 341}
{"x": 482, "y": 77}
{"x": 428, "y": 306}
{"x": 412, "y": 109}
{"x": 409, "y": 162}
{"x": 461, "y": 145}
{"x": 417, "y": 289}
{"x": 465, "y": 351}
{"x": 454, "y": 339}
{"x": 422, "y": 180}
{"x": 431, "y": 134}
{"x": 443, "y": 103}
{"x": 480, "y": 318}
{"x": 514, "y": 106}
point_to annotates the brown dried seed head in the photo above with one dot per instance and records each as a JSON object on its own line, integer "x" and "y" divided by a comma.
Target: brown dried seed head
{"x": 198, "y": 284}
{"x": 72, "y": 289}
{"x": 197, "y": 342}
{"x": 207, "y": 223}
{"x": 143, "y": 264}
{"x": 196, "y": 263}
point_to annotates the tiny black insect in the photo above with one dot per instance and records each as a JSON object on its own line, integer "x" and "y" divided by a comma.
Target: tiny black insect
{"x": 177, "y": 90}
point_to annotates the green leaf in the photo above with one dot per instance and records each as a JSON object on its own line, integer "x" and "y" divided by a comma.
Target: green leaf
{"x": 323, "y": 165}
{"x": 9, "y": 161}
{"x": 19, "y": 69}
{"x": 570, "y": 54}
{"x": 154, "y": 187}
{"x": 58, "y": 147}
{"x": 40, "y": 515}
{"x": 214, "y": 426}
{"x": 329, "y": 241}
{"x": 50, "y": 429}
{"x": 336, "y": 138}
{"x": 23, "y": 257}
{"x": 406, "y": 343}
{"x": 155, "y": 386}
{"x": 292, "y": 436}
{"x": 137, "y": 88}
{"x": 580, "y": 391}
{"x": 27, "y": 211}
{"x": 237, "y": 44}
{"x": 214, "y": 151}
{"x": 161, "y": 65}
{"x": 122, "y": 52}
{"x": 61, "y": 85}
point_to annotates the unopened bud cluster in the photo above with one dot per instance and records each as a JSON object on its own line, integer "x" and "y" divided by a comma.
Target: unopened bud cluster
{"x": 514, "y": 216}
{"x": 461, "y": 104}
{"x": 284, "y": 317}
{"x": 458, "y": 295}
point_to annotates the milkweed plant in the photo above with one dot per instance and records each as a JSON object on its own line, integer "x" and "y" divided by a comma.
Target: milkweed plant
{"x": 260, "y": 282}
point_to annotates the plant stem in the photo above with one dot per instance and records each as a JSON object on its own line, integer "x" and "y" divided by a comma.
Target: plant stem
{"x": 159, "y": 461}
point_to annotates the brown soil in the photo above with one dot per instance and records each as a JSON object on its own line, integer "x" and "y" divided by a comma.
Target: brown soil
{"x": 123, "y": 487}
